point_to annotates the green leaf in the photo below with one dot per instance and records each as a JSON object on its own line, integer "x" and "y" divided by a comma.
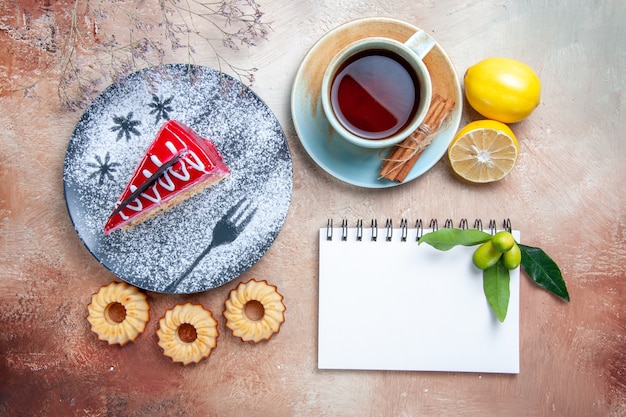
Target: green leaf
{"x": 496, "y": 286}
{"x": 447, "y": 238}
{"x": 543, "y": 270}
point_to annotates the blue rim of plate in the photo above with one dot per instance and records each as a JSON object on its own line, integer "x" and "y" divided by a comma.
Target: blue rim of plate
{"x": 101, "y": 157}
{"x": 324, "y": 146}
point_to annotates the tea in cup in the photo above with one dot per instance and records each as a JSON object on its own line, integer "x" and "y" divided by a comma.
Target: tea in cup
{"x": 376, "y": 91}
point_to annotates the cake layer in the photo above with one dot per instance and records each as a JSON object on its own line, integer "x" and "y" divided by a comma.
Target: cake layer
{"x": 200, "y": 166}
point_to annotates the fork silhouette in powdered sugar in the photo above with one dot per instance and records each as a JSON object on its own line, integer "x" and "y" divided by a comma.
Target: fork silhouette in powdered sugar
{"x": 225, "y": 231}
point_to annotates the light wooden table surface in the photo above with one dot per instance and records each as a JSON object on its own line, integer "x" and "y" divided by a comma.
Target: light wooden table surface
{"x": 566, "y": 195}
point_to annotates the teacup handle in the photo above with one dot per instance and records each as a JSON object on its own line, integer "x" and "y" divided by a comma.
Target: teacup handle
{"x": 420, "y": 43}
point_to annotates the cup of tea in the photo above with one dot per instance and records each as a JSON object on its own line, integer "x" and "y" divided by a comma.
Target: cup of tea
{"x": 376, "y": 91}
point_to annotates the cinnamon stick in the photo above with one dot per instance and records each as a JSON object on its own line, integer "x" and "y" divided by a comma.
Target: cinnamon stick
{"x": 403, "y": 151}
{"x": 404, "y": 155}
{"x": 406, "y": 167}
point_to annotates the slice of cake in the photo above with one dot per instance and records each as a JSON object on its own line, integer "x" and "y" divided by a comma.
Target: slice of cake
{"x": 200, "y": 166}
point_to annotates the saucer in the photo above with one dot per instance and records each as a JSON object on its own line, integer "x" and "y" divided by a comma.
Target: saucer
{"x": 350, "y": 163}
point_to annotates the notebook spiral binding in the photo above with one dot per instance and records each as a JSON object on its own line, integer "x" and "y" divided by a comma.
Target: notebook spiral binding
{"x": 404, "y": 228}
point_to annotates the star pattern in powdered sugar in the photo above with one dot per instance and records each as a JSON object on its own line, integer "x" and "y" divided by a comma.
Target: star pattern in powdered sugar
{"x": 104, "y": 168}
{"x": 160, "y": 108}
{"x": 125, "y": 126}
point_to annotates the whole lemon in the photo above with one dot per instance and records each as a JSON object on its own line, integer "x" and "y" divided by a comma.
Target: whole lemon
{"x": 502, "y": 89}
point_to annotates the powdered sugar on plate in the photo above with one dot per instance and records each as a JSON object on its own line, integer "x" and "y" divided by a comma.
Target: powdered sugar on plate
{"x": 110, "y": 139}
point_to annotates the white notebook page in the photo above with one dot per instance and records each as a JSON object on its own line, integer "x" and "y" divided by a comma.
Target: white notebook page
{"x": 399, "y": 306}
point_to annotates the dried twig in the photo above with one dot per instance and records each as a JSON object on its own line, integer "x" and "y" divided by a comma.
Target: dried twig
{"x": 173, "y": 25}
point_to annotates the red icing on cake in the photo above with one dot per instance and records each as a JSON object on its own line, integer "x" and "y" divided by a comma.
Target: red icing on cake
{"x": 200, "y": 166}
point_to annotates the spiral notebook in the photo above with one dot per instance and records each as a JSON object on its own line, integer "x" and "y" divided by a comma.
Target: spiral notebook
{"x": 387, "y": 303}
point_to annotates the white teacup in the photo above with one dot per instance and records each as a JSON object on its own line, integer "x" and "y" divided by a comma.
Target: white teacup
{"x": 376, "y": 91}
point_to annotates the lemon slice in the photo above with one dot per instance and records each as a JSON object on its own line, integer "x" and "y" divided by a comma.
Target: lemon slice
{"x": 483, "y": 151}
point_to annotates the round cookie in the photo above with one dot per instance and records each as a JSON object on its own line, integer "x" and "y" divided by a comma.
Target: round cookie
{"x": 118, "y": 313}
{"x": 254, "y": 311}
{"x": 187, "y": 333}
